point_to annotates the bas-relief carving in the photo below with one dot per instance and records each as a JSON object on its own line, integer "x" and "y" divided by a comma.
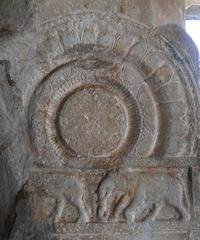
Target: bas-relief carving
{"x": 65, "y": 202}
{"x": 136, "y": 196}
{"x": 114, "y": 95}
{"x": 63, "y": 190}
{"x": 126, "y": 59}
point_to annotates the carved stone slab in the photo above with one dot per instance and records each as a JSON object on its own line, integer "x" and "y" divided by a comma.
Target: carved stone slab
{"x": 126, "y": 65}
{"x": 111, "y": 126}
{"x": 71, "y": 202}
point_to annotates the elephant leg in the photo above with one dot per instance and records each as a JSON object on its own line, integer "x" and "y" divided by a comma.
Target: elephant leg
{"x": 137, "y": 196}
{"x": 84, "y": 210}
{"x": 60, "y": 205}
{"x": 124, "y": 201}
{"x": 101, "y": 211}
{"x": 145, "y": 211}
{"x": 105, "y": 207}
{"x": 139, "y": 212}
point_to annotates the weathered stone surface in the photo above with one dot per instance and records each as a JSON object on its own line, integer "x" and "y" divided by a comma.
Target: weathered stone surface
{"x": 99, "y": 125}
{"x": 168, "y": 12}
{"x": 15, "y": 15}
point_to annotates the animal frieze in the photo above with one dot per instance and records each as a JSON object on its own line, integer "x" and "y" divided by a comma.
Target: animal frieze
{"x": 127, "y": 196}
{"x": 136, "y": 196}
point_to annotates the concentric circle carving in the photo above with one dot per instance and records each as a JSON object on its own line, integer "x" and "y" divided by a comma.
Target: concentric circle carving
{"x": 88, "y": 116}
{"x": 107, "y": 94}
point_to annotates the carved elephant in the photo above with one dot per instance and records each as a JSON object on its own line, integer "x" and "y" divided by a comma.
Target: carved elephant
{"x": 137, "y": 196}
{"x": 65, "y": 190}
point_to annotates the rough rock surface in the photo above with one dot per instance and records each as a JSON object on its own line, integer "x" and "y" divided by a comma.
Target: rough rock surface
{"x": 99, "y": 122}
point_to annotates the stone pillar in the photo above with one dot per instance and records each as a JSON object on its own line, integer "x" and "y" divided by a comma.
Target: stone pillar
{"x": 99, "y": 122}
{"x": 168, "y": 12}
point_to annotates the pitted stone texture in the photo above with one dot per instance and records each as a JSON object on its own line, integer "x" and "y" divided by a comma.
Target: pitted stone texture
{"x": 195, "y": 235}
{"x": 92, "y": 122}
{"x": 106, "y": 110}
{"x": 15, "y": 16}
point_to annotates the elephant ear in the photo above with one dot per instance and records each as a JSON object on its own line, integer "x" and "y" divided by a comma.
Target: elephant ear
{"x": 144, "y": 211}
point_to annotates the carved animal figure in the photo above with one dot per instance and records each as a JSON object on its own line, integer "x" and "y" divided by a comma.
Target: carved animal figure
{"x": 69, "y": 189}
{"x": 137, "y": 196}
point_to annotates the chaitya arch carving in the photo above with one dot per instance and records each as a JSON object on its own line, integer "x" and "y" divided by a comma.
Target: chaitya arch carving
{"x": 111, "y": 112}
